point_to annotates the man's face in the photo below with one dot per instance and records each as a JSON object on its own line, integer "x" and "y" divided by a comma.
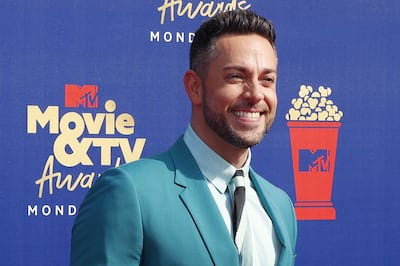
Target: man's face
{"x": 239, "y": 91}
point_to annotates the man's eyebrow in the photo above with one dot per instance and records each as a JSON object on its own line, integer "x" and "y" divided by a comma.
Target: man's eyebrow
{"x": 269, "y": 70}
{"x": 235, "y": 67}
{"x": 244, "y": 69}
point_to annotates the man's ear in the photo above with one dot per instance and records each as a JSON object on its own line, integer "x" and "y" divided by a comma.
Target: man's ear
{"x": 193, "y": 87}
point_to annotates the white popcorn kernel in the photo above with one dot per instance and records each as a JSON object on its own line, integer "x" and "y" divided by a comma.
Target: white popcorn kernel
{"x": 305, "y": 111}
{"x": 316, "y": 94}
{"x": 329, "y": 109}
{"x": 329, "y": 91}
{"x": 294, "y": 114}
{"x": 330, "y": 118}
{"x": 329, "y": 102}
{"x": 302, "y": 118}
{"x": 337, "y": 117}
{"x": 297, "y": 104}
{"x": 318, "y": 109}
{"x": 322, "y": 116}
{"x": 309, "y": 88}
{"x": 312, "y": 103}
{"x": 312, "y": 117}
{"x": 332, "y": 109}
{"x": 322, "y": 102}
{"x": 303, "y": 91}
{"x": 323, "y": 91}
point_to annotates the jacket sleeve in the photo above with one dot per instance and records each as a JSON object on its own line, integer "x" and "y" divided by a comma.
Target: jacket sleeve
{"x": 108, "y": 229}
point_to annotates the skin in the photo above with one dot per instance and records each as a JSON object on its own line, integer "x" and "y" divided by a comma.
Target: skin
{"x": 234, "y": 105}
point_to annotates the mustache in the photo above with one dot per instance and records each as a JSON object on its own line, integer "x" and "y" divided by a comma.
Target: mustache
{"x": 257, "y": 107}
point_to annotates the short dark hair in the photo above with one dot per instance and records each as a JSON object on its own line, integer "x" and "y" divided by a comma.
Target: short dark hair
{"x": 230, "y": 22}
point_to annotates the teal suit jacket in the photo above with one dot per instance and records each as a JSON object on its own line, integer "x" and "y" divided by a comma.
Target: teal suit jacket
{"x": 159, "y": 211}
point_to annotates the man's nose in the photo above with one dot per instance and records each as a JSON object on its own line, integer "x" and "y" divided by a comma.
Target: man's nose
{"x": 253, "y": 91}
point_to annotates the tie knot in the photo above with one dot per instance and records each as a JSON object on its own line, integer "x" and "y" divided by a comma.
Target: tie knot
{"x": 238, "y": 179}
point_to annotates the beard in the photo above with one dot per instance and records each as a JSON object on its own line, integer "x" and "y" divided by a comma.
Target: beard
{"x": 219, "y": 123}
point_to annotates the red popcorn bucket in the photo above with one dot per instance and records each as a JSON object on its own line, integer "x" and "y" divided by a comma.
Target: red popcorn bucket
{"x": 314, "y": 152}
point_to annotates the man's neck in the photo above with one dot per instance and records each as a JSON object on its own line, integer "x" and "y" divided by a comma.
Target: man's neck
{"x": 232, "y": 154}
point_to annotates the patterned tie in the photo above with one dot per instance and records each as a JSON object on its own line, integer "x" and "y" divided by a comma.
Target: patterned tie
{"x": 239, "y": 197}
{"x": 240, "y": 220}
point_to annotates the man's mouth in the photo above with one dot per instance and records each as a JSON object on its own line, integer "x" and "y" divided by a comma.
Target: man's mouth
{"x": 248, "y": 115}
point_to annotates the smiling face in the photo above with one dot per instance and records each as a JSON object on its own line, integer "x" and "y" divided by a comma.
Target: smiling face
{"x": 236, "y": 101}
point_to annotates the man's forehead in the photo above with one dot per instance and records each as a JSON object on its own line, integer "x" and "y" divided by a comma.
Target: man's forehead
{"x": 233, "y": 41}
{"x": 241, "y": 47}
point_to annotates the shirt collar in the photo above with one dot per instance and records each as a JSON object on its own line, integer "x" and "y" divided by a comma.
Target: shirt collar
{"x": 215, "y": 169}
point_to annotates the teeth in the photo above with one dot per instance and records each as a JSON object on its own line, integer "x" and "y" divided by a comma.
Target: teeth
{"x": 250, "y": 115}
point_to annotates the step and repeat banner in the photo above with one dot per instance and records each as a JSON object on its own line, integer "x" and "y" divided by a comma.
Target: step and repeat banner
{"x": 89, "y": 85}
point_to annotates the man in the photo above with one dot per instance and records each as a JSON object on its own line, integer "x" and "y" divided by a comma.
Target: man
{"x": 175, "y": 208}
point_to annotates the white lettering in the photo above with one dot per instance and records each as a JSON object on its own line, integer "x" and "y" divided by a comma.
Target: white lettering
{"x": 46, "y": 210}
{"x": 49, "y": 210}
{"x": 168, "y": 36}
{"x": 32, "y": 210}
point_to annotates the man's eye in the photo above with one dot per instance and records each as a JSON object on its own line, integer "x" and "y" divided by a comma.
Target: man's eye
{"x": 234, "y": 76}
{"x": 269, "y": 80}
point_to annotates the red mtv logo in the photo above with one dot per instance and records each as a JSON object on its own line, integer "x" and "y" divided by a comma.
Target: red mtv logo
{"x": 85, "y": 96}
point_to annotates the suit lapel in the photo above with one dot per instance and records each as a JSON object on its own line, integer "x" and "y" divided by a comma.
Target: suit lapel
{"x": 274, "y": 213}
{"x": 198, "y": 200}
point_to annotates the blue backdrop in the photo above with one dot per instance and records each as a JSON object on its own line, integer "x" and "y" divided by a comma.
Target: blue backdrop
{"x": 134, "y": 53}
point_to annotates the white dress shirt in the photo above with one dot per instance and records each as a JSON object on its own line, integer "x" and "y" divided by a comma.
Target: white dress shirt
{"x": 218, "y": 174}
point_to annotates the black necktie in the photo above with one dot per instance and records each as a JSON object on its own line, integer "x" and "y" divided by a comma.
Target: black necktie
{"x": 239, "y": 197}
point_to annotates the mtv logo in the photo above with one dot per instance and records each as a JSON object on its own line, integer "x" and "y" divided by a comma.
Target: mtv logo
{"x": 81, "y": 96}
{"x": 314, "y": 160}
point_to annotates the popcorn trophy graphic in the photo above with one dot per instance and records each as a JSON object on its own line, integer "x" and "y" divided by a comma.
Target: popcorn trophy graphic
{"x": 313, "y": 123}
